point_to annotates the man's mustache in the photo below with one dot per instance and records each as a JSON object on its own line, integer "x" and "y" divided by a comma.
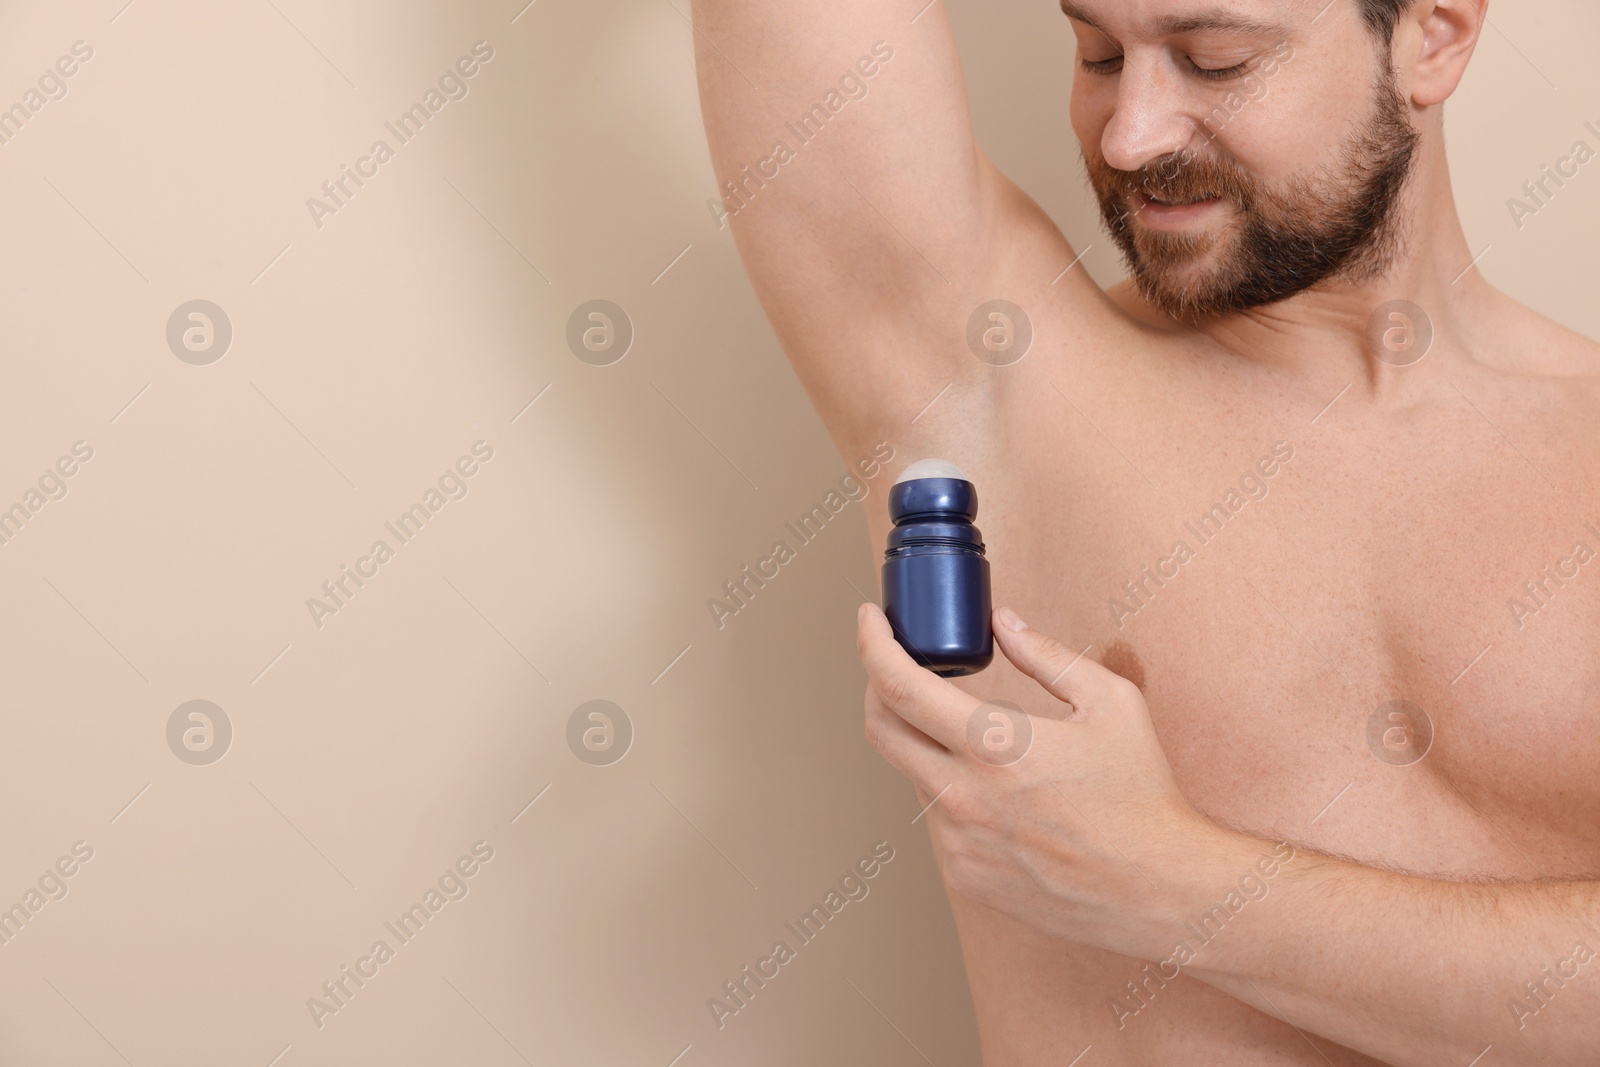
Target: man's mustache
{"x": 1172, "y": 182}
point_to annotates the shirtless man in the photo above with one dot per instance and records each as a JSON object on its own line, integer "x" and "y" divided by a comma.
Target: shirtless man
{"x": 1310, "y": 483}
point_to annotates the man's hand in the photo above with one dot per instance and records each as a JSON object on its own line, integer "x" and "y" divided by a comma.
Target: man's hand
{"x": 1081, "y": 833}
{"x": 1066, "y": 817}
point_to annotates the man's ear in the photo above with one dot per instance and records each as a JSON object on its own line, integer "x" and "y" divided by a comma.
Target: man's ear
{"x": 1433, "y": 42}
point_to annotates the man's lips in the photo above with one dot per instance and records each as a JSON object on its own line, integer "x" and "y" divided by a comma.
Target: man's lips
{"x": 1169, "y": 215}
{"x": 1142, "y": 200}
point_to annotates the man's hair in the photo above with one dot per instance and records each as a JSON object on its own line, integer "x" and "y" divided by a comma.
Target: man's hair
{"x": 1381, "y": 17}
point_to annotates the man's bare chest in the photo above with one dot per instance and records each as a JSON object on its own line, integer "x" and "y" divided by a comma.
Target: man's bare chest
{"x": 1388, "y": 652}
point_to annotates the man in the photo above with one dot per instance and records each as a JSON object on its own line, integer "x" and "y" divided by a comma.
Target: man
{"x": 1310, "y": 484}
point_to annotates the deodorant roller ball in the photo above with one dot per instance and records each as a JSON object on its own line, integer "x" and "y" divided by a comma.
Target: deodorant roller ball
{"x": 935, "y": 576}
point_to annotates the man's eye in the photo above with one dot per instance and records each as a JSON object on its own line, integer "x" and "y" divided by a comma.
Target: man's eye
{"x": 1219, "y": 73}
{"x": 1112, "y": 65}
{"x": 1102, "y": 66}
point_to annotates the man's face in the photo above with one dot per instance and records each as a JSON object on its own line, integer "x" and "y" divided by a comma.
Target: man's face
{"x": 1288, "y": 161}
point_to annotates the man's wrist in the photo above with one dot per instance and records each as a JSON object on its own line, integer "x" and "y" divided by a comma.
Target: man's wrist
{"x": 1220, "y": 882}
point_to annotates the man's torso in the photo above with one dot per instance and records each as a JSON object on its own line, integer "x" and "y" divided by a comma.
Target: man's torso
{"x": 1306, "y": 583}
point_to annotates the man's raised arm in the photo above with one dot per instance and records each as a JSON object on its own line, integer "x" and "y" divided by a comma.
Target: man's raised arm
{"x": 869, "y": 221}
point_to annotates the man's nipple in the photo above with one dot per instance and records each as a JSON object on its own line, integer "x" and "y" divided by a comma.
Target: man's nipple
{"x": 1122, "y": 659}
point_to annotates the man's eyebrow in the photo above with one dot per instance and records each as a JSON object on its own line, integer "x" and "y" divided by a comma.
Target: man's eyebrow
{"x": 1078, "y": 14}
{"x": 1224, "y": 21}
{"x": 1214, "y": 19}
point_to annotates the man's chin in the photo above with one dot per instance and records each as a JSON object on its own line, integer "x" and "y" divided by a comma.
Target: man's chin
{"x": 1200, "y": 271}
{"x": 1185, "y": 293}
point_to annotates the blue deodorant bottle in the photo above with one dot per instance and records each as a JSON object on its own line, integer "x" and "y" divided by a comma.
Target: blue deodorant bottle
{"x": 935, "y": 576}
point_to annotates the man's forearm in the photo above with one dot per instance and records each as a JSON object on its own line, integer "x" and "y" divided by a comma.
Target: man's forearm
{"x": 1409, "y": 970}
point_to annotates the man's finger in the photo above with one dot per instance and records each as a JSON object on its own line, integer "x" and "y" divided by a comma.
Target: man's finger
{"x": 905, "y": 748}
{"x": 1068, "y": 674}
{"x": 914, "y": 693}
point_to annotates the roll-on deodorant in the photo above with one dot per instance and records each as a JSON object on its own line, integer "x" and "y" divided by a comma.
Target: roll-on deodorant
{"x": 935, "y": 576}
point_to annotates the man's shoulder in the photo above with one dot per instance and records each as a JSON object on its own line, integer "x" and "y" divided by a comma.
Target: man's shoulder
{"x": 1525, "y": 342}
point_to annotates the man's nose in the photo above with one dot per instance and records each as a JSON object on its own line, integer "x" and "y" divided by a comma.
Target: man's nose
{"x": 1151, "y": 119}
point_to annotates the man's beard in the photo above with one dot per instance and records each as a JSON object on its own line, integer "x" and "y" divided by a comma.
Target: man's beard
{"x": 1287, "y": 240}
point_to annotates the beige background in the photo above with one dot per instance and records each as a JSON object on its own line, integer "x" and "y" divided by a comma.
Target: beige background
{"x": 367, "y": 355}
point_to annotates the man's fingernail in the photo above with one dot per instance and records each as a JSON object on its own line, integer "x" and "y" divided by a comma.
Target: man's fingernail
{"x": 1009, "y": 619}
